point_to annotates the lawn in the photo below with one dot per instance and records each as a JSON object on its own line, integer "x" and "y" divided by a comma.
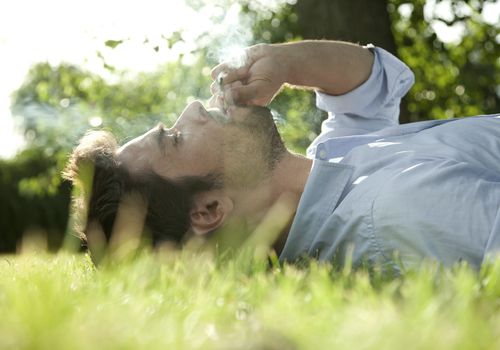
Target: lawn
{"x": 197, "y": 301}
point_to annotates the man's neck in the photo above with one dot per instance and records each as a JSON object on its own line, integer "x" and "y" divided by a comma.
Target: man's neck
{"x": 282, "y": 188}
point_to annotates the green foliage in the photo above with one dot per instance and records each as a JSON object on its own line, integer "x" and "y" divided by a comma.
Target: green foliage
{"x": 300, "y": 122}
{"x": 273, "y": 24}
{"x": 196, "y": 301}
{"x": 452, "y": 79}
{"x": 113, "y": 43}
{"x": 48, "y": 108}
{"x": 56, "y": 105}
{"x": 32, "y": 198}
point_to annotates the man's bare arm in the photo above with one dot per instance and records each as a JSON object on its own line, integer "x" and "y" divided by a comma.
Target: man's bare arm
{"x": 329, "y": 66}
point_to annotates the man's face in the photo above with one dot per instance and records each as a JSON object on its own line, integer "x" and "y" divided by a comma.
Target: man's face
{"x": 241, "y": 145}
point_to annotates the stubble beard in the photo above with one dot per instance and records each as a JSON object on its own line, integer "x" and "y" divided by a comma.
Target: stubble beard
{"x": 254, "y": 152}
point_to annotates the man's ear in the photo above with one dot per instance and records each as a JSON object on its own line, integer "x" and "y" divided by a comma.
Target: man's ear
{"x": 210, "y": 209}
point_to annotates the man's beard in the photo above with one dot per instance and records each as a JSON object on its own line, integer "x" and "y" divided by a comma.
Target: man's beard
{"x": 261, "y": 125}
{"x": 262, "y": 150}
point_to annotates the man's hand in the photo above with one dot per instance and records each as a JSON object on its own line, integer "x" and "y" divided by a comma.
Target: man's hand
{"x": 256, "y": 82}
{"x": 332, "y": 67}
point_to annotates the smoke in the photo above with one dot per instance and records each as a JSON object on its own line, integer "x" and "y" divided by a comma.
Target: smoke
{"x": 233, "y": 34}
{"x": 46, "y": 125}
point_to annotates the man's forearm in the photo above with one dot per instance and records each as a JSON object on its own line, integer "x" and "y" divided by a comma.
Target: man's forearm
{"x": 332, "y": 67}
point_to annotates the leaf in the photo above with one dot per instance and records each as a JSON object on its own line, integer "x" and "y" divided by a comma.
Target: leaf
{"x": 173, "y": 39}
{"x": 113, "y": 43}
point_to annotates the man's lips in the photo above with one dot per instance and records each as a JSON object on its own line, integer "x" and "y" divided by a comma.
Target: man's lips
{"x": 218, "y": 115}
{"x": 212, "y": 113}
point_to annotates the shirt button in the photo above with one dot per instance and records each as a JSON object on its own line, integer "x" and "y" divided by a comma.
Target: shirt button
{"x": 322, "y": 154}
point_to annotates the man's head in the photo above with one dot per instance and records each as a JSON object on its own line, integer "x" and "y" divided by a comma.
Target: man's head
{"x": 241, "y": 145}
{"x": 183, "y": 174}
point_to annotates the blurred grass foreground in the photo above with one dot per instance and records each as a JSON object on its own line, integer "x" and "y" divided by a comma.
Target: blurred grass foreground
{"x": 182, "y": 300}
{"x": 187, "y": 300}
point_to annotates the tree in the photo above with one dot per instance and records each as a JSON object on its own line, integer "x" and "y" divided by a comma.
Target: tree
{"x": 344, "y": 20}
{"x": 453, "y": 79}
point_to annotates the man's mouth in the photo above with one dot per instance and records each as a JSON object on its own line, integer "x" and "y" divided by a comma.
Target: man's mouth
{"x": 218, "y": 115}
{"x": 215, "y": 113}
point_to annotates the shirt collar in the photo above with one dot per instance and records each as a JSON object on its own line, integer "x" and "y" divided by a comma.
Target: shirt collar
{"x": 321, "y": 195}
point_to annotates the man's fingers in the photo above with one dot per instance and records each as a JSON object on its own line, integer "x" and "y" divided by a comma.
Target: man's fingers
{"x": 217, "y": 70}
{"x": 215, "y": 88}
{"x": 235, "y": 75}
{"x": 224, "y": 74}
{"x": 241, "y": 94}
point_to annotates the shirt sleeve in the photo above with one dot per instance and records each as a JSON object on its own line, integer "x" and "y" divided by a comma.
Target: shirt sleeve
{"x": 373, "y": 105}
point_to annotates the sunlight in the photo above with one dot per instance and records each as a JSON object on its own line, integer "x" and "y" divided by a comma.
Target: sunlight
{"x": 54, "y": 31}
{"x": 58, "y": 31}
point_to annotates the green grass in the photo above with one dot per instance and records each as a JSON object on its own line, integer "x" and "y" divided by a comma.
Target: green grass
{"x": 193, "y": 301}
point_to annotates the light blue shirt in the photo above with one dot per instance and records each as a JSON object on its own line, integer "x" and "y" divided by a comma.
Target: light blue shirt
{"x": 392, "y": 195}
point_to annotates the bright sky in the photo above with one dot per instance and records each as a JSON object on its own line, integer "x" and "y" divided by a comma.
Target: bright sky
{"x": 72, "y": 31}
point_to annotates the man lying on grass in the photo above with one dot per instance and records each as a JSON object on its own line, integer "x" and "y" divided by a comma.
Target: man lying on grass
{"x": 370, "y": 190}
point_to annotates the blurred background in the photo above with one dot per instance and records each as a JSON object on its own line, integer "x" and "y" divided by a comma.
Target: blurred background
{"x": 70, "y": 66}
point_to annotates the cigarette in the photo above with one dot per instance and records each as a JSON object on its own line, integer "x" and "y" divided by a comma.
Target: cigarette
{"x": 220, "y": 78}
{"x": 222, "y": 102}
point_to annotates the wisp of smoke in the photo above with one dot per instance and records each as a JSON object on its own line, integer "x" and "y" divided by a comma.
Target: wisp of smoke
{"x": 234, "y": 36}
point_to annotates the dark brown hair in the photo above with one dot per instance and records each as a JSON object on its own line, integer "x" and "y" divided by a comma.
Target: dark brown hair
{"x": 103, "y": 183}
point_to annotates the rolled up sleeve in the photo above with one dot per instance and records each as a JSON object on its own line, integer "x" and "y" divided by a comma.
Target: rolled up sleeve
{"x": 372, "y": 106}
